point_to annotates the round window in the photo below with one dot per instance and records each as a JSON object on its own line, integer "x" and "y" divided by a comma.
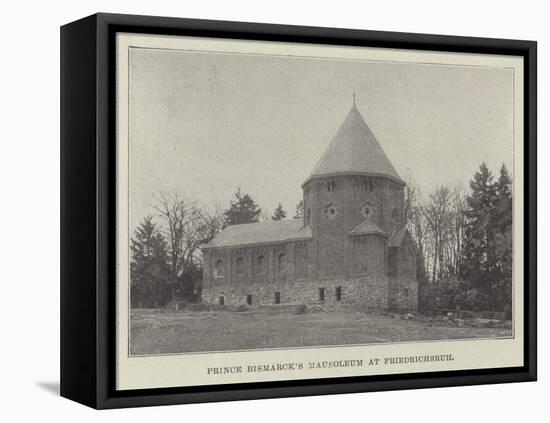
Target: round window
{"x": 330, "y": 211}
{"x": 367, "y": 211}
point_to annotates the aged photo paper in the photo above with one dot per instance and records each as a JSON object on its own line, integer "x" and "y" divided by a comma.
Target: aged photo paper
{"x": 299, "y": 211}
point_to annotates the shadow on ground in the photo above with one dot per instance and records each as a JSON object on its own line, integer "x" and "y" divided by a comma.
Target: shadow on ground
{"x": 51, "y": 387}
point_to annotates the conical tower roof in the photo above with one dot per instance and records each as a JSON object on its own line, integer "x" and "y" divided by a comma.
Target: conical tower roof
{"x": 354, "y": 150}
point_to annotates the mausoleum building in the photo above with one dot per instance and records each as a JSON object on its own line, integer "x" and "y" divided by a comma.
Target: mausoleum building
{"x": 351, "y": 246}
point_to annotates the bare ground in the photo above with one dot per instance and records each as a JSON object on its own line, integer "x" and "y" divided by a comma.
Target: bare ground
{"x": 169, "y": 331}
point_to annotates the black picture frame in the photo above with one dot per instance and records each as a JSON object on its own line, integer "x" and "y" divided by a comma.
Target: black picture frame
{"x": 88, "y": 209}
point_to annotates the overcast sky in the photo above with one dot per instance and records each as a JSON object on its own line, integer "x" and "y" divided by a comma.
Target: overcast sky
{"x": 203, "y": 124}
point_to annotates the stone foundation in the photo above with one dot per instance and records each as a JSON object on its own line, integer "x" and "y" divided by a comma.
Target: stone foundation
{"x": 370, "y": 291}
{"x": 403, "y": 294}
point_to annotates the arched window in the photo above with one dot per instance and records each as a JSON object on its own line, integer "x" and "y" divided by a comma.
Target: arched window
{"x": 260, "y": 264}
{"x": 239, "y": 266}
{"x": 331, "y": 186}
{"x": 218, "y": 269}
{"x": 281, "y": 263}
{"x": 368, "y": 185}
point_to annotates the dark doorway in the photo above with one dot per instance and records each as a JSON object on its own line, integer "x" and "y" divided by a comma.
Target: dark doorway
{"x": 321, "y": 294}
{"x": 249, "y": 299}
{"x": 222, "y": 300}
{"x": 338, "y": 293}
{"x": 277, "y": 298}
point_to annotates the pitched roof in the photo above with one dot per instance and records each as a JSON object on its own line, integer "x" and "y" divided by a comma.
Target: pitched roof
{"x": 397, "y": 238}
{"x": 261, "y": 233}
{"x": 354, "y": 149}
{"x": 367, "y": 228}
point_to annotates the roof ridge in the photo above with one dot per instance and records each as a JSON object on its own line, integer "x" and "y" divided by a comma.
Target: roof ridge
{"x": 397, "y": 236}
{"x": 261, "y": 233}
{"x": 365, "y": 227}
{"x": 264, "y": 222}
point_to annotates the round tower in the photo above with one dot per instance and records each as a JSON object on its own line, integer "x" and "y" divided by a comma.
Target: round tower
{"x": 353, "y": 193}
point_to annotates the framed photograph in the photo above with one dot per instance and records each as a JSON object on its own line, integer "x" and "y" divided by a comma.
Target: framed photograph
{"x": 257, "y": 211}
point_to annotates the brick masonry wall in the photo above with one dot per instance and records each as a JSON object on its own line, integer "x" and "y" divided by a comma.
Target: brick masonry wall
{"x": 331, "y": 249}
{"x": 370, "y": 291}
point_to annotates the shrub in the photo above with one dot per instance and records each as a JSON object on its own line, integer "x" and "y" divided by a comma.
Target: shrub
{"x": 453, "y": 294}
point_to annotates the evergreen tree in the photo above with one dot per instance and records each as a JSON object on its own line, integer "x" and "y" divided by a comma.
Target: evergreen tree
{"x": 479, "y": 255}
{"x": 502, "y": 300}
{"x": 279, "y": 213}
{"x": 242, "y": 209}
{"x": 299, "y": 214}
{"x": 487, "y": 265}
{"x": 503, "y": 241}
{"x": 149, "y": 266}
{"x": 503, "y": 205}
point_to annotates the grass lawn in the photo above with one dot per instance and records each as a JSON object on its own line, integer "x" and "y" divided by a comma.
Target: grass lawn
{"x": 169, "y": 331}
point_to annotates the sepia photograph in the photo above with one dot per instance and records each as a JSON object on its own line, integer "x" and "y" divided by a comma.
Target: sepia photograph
{"x": 282, "y": 202}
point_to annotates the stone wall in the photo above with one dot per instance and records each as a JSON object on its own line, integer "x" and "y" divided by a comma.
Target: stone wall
{"x": 403, "y": 293}
{"x": 403, "y": 286}
{"x": 370, "y": 291}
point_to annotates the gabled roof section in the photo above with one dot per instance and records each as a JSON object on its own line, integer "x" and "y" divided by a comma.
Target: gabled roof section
{"x": 398, "y": 237}
{"x": 354, "y": 150}
{"x": 261, "y": 233}
{"x": 367, "y": 228}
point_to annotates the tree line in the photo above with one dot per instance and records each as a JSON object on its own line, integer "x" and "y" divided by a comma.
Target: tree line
{"x": 463, "y": 242}
{"x": 166, "y": 260}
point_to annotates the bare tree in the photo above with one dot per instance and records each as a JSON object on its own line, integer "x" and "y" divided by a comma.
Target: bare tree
{"x": 436, "y": 212}
{"x": 411, "y": 198}
{"x": 437, "y": 227}
{"x": 416, "y": 225}
{"x": 458, "y": 222}
{"x": 187, "y": 229}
